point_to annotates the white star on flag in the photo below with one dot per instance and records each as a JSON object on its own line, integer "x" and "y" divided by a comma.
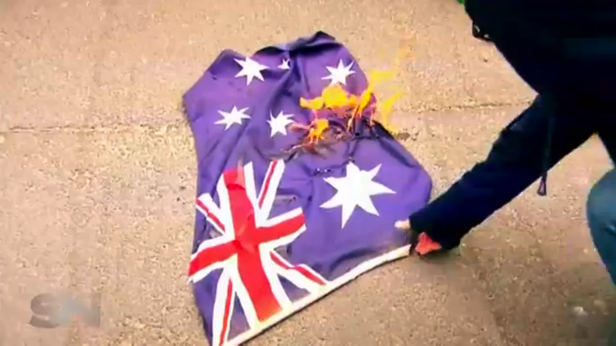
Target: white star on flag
{"x": 284, "y": 65}
{"x": 279, "y": 123}
{"x": 340, "y": 73}
{"x": 355, "y": 190}
{"x": 251, "y": 69}
{"x": 233, "y": 117}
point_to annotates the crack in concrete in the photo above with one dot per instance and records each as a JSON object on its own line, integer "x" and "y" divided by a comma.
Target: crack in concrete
{"x": 127, "y": 126}
{"x": 92, "y": 128}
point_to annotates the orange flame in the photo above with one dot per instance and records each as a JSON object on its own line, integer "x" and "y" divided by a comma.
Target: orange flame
{"x": 335, "y": 98}
{"x": 351, "y": 107}
{"x": 316, "y": 133}
{"x": 332, "y": 97}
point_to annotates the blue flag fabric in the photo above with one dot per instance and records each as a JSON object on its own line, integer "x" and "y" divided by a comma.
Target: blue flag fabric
{"x": 276, "y": 232}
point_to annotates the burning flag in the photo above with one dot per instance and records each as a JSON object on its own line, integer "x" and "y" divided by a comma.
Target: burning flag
{"x": 352, "y": 109}
{"x": 278, "y": 227}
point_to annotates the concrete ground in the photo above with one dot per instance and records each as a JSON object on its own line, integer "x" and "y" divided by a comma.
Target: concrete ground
{"x": 97, "y": 177}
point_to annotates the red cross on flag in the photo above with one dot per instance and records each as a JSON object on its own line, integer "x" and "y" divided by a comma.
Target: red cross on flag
{"x": 246, "y": 249}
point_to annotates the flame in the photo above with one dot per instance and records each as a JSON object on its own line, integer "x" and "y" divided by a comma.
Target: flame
{"x": 336, "y": 99}
{"x": 316, "y": 132}
{"x": 384, "y": 109}
{"x": 332, "y": 97}
{"x": 314, "y": 104}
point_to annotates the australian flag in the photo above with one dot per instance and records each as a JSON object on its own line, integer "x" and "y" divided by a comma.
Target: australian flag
{"x": 276, "y": 232}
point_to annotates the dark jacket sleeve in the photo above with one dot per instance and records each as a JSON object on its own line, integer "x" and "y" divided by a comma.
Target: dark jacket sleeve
{"x": 513, "y": 164}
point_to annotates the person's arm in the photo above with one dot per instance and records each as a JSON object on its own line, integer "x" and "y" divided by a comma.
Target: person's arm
{"x": 514, "y": 163}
